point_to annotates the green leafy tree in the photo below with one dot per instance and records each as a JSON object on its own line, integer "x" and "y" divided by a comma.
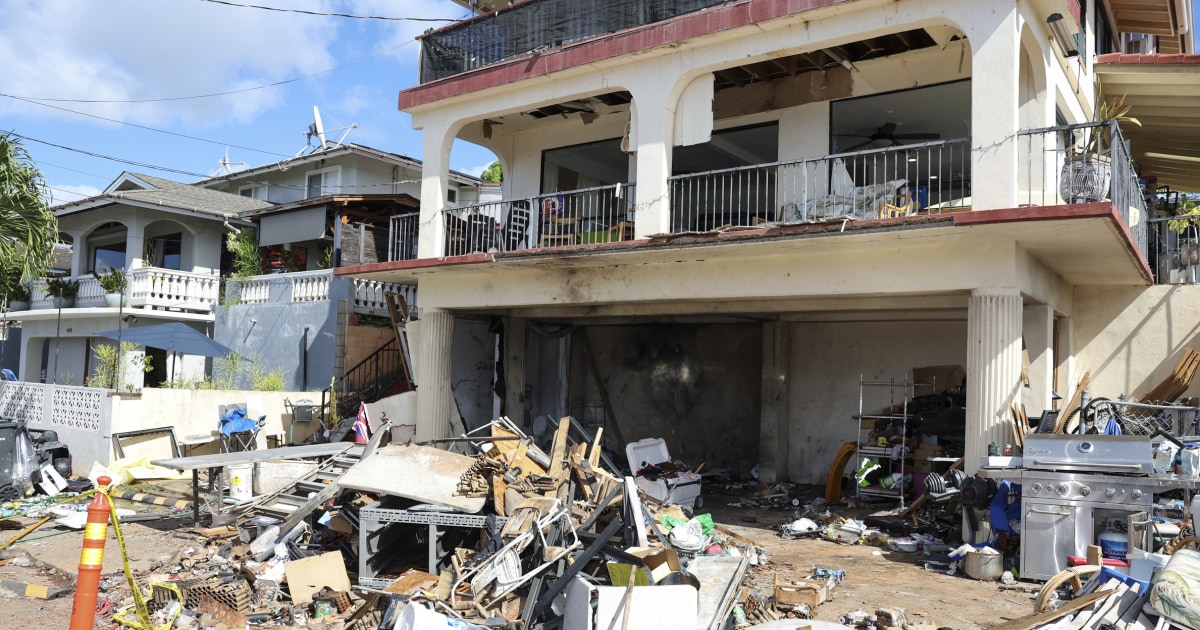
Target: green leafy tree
{"x": 28, "y": 229}
{"x": 247, "y": 260}
{"x": 493, "y": 173}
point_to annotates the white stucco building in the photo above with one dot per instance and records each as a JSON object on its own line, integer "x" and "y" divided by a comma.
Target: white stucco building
{"x": 718, "y": 216}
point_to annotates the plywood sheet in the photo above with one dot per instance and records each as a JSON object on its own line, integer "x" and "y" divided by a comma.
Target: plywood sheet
{"x": 420, "y": 473}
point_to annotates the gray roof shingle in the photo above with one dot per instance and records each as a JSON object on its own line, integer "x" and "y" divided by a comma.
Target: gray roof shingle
{"x": 189, "y": 197}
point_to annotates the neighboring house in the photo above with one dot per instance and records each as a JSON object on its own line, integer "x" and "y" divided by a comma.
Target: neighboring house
{"x": 309, "y": 212}
{"x": 169, "y": 238}
{"x": 718, "y": 217}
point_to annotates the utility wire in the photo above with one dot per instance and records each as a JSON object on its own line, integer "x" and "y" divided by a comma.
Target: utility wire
{"x": 109, "y": 157}
{"x": 215, "y": 94}
{"x": 344, "y": 15}
{"x": 121, "y": 122}
{"x": 322, "y": 13}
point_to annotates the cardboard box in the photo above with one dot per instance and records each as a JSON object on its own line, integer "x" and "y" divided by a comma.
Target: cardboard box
{"x": 659, "y": 563}
{"x": 792, "y": 593}
{"x": 922, "y": 466}
{"x": 942, "y": 377}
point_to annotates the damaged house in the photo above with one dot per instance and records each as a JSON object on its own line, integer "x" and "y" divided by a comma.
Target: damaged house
{"x": 720, "y": 219}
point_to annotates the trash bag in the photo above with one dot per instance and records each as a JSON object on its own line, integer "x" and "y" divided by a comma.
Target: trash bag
{"x": 25, "y": 462}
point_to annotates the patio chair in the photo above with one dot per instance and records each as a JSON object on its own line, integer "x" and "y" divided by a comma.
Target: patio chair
{"x": 238, "y": 431}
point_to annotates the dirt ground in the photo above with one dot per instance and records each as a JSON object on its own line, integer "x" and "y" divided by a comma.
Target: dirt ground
{"x": 875, "y": 576}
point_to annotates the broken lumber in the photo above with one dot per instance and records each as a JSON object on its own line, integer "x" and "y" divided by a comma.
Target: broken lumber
{"x": 1177, "y": 382}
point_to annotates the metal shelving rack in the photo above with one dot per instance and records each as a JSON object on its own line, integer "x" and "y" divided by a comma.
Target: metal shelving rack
{"x": 881, "y": 453}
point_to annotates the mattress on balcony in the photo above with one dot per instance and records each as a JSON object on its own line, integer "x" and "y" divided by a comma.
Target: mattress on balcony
{"x": 860, "y": 202}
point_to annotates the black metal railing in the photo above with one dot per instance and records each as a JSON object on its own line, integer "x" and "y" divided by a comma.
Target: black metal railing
{"x": 930, "y": 177}
{"x": 402, "y": 238}
{"x": 1083, "y": 163}
{"x": 367, "y": 381}
{"x": 592, "y": 215}
{"x": 1175, "y": 249}
{"x": 536, "y": 26}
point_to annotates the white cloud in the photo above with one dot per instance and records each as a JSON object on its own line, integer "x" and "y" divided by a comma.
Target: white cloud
{"x": 130, "y": 49}
{"x": 66, "y": 193}
{"x": 476, "y": 171}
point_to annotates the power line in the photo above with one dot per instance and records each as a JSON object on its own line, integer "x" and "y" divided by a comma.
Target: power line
{"x": 65, "y": 168}
{"x": 121, "y": 122}
{"x": 215, "y": 94}
{"x": 344, "y": 15}
{"x": 109, "y": 157}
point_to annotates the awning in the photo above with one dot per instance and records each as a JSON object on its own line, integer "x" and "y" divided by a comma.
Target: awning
{"x": 1163, "y": 91}
{"x": 1169, "y": 20}
{"x": 291, "y": 227}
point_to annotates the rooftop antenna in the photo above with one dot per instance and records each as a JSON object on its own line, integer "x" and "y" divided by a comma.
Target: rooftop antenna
{"x": 225, "y": 168}
{"x": 317, "y": 130}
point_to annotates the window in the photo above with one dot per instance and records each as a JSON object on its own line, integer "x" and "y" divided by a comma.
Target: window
{"x": 452, "y": 195}
{"x": 254, "y": 191}
{"x": 164, "y": 251}
{"x": 584, "y": 166}
{"x": 323, "y": 182}
{"x": 107, "y": 246}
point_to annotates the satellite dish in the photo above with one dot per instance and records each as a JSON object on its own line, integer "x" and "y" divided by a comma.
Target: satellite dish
{"x": 318, "y": 127}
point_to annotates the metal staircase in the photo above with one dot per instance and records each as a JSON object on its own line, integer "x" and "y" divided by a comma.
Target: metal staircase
{"x": 386, "y": 371}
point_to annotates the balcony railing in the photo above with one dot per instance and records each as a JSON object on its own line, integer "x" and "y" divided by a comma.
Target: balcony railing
{"x": 930, "y": 177}
{"x": 1175, "y": 249}
{"x": 148, "y": 287}
{"x": 402, "y": 239}
{"x": 536, "y": 26}
{"x": 366, "y": 296}
{"x": 592, "y": 215}
{"x": 1084, "y": 163}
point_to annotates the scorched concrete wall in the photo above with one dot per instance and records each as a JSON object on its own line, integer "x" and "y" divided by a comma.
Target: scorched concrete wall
{"x": 827, "y": 359}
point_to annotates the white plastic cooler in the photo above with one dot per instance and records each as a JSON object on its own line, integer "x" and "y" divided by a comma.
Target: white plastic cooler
{"x": 683, "y": 489}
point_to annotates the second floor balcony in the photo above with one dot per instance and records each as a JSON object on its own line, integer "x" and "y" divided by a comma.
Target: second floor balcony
{"x": 1058, "y": 166}
{"x": 366, "y": 297}
{"x": 148, "y": 288}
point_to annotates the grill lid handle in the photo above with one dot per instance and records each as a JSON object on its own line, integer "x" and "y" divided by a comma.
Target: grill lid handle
{"x": 1054, "y": 462}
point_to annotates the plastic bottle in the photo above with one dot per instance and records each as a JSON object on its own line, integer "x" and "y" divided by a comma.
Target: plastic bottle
{"x": 265, "y": 541}
{"x": 1194, "y": 510}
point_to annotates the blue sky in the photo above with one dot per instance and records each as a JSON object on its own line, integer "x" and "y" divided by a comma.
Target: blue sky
{"x": 140, "y": 62}
{"x": 113, "y": 52}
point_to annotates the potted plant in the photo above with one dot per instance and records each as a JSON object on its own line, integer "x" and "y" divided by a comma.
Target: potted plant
{"x": 18, "y": 297}
{"x": 1087, "y": 171}
{"x": 113, "y": 283}
{"x": 62, "y": 291}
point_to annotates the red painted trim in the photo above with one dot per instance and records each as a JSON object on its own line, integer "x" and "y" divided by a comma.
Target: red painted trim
{"x": 706, "y": 21}
{"x": 419, "y": 263}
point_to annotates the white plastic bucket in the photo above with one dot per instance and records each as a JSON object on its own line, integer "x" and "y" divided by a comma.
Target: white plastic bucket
{"x": 241, "y": 482}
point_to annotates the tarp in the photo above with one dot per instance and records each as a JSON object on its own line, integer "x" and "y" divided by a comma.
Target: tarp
{"x": 172, "y": 337}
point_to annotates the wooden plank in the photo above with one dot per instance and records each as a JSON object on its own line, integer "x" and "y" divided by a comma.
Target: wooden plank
{"x": 559, "y": 470}
{"x": 1072, "y": 404}
{"x": 594, "y": 454}
{"x": 1029, "y": 622}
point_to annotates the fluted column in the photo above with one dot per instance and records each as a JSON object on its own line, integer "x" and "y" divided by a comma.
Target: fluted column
{"x": 435, "y": 333}
{"x": 993, "y": 369}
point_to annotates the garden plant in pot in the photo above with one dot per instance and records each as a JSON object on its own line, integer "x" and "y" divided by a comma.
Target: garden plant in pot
{"x": 18, "y": 296}
{"x": 113, "y": 283}
{"x": 62, "y": 291}
{"x": 1087, "y": 171}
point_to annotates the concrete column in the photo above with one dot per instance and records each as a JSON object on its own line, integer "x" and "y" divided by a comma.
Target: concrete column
{"x": 995, "y": 65}
{"x": 651, "y": 138}
{"x": 435, "y": 335}
{"x": 993, "y": 369}
{"x": 435, "y": 180}
{"x": 135, "y": 243}
{"x": 1038, "y": 332}
{"x": 774, "y": 428}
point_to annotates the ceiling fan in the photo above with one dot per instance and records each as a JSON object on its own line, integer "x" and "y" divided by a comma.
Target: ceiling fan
{"x": 887, "y": 132}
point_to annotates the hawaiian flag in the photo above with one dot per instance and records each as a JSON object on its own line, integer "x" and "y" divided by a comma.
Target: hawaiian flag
{"x": 362, "y": 430}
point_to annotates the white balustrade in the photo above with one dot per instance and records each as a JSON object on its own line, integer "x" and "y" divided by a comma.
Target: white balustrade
{"x": 368, "y": 296}
{"x": 170, "y": 289}
{"x": 310, "y": 286}
{"x": 253, "y": 290}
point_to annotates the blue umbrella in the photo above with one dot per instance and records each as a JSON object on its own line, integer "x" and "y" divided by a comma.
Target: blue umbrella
{"x": 172, "y": 337}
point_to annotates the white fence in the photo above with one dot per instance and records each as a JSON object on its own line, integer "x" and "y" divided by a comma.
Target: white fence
{"x": 310, "y": 286}
{"x": 82, "y": 416}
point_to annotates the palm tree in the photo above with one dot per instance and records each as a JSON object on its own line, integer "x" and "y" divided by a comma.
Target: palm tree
{"x": 28, "y": 229}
